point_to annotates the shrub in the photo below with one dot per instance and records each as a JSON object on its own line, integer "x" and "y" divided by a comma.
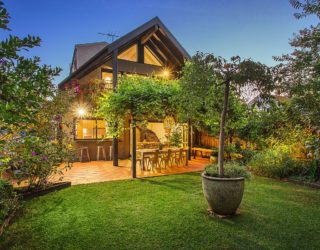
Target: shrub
{"x": 277, "y": 163}
{"x": 247, "y": 155}
{"x": 36, "y": 159}
{"x": 235, "y": 152}
{"x": 175, "y": 138}
{"x": 36, "y": 152}
{"x": 231, "y": 170}
{"x": 8, "y": 200}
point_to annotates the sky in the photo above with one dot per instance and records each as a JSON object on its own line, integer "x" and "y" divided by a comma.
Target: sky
{"x": 256, "y": 29}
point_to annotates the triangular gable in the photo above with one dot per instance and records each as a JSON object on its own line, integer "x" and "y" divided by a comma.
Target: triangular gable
{"x": 153, "y": 34}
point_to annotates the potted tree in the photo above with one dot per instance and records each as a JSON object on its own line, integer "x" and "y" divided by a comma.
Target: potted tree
{"x": 224, "y": 194}
{"x": 223, "y": 186}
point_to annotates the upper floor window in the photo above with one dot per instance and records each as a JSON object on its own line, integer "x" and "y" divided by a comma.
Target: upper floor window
{"x": 150, "y": 58}
{"x": 130, "y": 54}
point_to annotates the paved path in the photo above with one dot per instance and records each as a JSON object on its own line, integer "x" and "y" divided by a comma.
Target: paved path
{"x": 99, "y": 171}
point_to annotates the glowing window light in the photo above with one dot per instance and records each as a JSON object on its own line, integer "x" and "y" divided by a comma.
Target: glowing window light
{"x": 108, "y": 79}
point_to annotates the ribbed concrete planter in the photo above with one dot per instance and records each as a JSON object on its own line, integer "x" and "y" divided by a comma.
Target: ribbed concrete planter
{"x": 223, "y": 195}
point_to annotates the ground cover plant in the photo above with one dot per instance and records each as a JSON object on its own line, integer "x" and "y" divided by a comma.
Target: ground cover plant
{"x": 167, "y": 213}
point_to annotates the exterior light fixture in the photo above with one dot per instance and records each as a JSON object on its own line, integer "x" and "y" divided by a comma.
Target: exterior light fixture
{"x": 81, "y": 112}
{"x": 165, "y": 73}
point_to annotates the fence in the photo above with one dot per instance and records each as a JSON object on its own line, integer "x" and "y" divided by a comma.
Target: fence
{"x": 209, "y": 141}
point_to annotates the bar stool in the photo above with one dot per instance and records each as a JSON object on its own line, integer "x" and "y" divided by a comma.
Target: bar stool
{"x": 101, "y": 148}
{"x": 110, "y": 152}
{"x": 81, "y": 153}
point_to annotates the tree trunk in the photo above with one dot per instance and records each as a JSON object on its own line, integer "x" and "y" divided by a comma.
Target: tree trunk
{"x": 222, "y": 128}
{"x": 189, "y": 140}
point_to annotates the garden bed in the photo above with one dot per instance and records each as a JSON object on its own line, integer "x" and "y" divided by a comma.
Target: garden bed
{"x": 29, "y": 194}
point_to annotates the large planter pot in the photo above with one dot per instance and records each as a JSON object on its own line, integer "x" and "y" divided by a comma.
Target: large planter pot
{"x": 223, "y": 195}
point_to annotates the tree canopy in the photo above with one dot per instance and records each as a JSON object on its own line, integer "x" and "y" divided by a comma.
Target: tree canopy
{"x": 298, "y": 73}
{"x": 210, "y": 86}
{"x": 25, "y": 84}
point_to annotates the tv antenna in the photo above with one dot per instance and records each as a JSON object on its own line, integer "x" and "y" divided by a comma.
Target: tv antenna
{"x": 110, "y": 35}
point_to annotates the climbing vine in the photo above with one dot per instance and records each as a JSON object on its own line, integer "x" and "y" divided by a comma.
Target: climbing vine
{"x": 138, "y": 98}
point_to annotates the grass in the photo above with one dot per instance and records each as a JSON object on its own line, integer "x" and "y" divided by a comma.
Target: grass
{"x": 167, "y": 213}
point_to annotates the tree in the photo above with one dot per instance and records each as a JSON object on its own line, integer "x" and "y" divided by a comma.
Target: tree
{"x": 201, "y": 98}
{"x": 237, "y": 73}
{"x": 25, "y": 85}
{"x": 196, "y": 83}
{"x": 298, "y": 73}
{"x": 210, "y": 89}
{"x": 31, "y": 110}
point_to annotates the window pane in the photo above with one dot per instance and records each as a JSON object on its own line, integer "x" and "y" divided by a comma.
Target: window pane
{"x": 130, "y": 54}
{"x": 107, "y": 77}
{"x": 91, "y": 129}
{"x": 86, "y": 129}
{"x": 102, "y": 129}
{"x": 149, "y": 58}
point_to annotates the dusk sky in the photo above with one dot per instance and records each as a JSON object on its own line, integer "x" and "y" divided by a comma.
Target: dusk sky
{"x": 249, "y": 28}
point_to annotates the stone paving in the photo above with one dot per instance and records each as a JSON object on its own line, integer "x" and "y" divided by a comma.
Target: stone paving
{"x": 100, "y": 171}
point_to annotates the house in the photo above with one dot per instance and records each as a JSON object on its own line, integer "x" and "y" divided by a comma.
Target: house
{"x": 264, "y": 104}
{"x": 147, "y": 50}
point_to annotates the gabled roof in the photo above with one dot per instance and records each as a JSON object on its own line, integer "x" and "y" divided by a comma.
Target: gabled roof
{"x": 83, "y": 52}
{"x": 153, "y": 27}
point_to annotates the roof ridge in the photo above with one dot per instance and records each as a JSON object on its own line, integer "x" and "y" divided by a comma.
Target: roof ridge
{"x": 82, "y": 44}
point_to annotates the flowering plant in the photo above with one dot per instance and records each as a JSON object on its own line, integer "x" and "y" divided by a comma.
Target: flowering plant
{"x": 42, "y": 150}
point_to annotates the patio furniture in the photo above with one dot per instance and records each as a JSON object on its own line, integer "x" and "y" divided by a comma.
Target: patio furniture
{"x": 166, "y": 158}
{"x": 185, "y": 157}
{"x": 178, "y": 157}
{"x": 139, "y": 159}
{"x": 203, "y": 151}
{"x": 153, "y": 160}
{"x": 110, "y": 153}
{"x": 82, "y": 149}
{"x": 101, "y": 148}
{"x": 146, "y": 154}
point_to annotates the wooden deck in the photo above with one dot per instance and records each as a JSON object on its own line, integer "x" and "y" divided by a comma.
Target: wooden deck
{"x": 100, "y": 171}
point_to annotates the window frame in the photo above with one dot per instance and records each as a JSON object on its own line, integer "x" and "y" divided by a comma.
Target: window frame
{"x": 96, "y": 129}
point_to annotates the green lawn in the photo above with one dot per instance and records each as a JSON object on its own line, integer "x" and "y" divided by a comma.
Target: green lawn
{"x": 167, "y": 213}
